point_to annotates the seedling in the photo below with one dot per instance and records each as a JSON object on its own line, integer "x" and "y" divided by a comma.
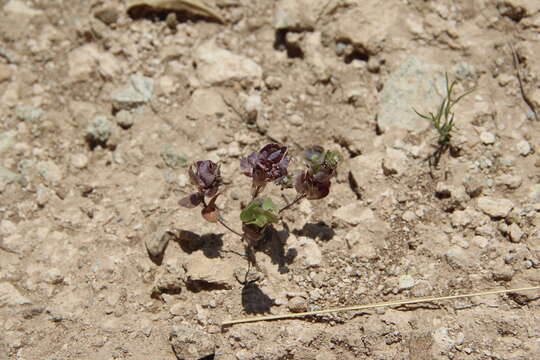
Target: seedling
{"x": 270, "y": 164}
{"x": 443, "y": 122}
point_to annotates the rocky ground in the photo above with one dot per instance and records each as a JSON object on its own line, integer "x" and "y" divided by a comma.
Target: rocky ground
{"x": 100, "y": 112}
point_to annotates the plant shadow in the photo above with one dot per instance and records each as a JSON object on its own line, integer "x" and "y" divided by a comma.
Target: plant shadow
{"x": 273, "y": 245}
{"x": 316, "y": 231}
{"x": 254, "y": 301}
{"x": 210, "y": 244}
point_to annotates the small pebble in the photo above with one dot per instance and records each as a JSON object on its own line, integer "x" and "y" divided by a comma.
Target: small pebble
{"x": 79, "y": 161}
{"x": 524, "y": 148}
{"x": 487, "y": 137}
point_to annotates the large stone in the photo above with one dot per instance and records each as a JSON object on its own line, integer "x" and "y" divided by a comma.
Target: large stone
{"x": 298, "y": 15}
{"x": 10, "y": 296}
{"x": 365, "y": 28}
{"x": 496, "y": 208}
{"x": 191, "y": 343}
{"x": 137, "y": 92}
{"x": 216, "y": 65}
{"x": 205, "y": 273}
{"x": 413, "y": 85}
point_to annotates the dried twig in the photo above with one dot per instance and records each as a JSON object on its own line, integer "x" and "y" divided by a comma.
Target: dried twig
{"x": 375, "y": 305}
{"x": 520, "y": 81}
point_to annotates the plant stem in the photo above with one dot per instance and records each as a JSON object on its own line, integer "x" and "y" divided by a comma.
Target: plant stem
{"x": 294, "y": 202}
{"x": 229, "y": 228}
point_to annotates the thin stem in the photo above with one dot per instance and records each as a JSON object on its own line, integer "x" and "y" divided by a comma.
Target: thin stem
{"x": 229, "y": 228}
{"x": 294, "y": 202}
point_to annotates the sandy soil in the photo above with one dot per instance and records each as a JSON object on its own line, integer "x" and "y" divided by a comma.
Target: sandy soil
{"x": 100, "y": 112}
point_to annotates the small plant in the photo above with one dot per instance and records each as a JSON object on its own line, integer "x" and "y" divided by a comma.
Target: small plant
{"x": 443, "y": 122}
{"x": 270, "y": 164}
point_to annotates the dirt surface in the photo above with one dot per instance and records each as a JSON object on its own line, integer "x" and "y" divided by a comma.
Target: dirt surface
{"x": 101, "y": 111}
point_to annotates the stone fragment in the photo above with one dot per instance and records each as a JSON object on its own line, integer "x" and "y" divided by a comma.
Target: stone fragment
{"x": 406, "y": 282}
{"x": 107, "y": 14}
{"x": 534, "y": 193}
{"x": 10, "y": 296}
{"x": 394, "y": 163}
{"x": 510, "y": 181}
{"x": 494, "y": 207}
{"x": 216, "y": 65}
{"x": 98, "y": 131}
{"x": 191, "y": 343}
{"x": 354, "y": 214}
{"x": 208, "y": 102}
{"x": 50, "y": 172}
{"x": 18, "y": 7}
{"x": 54, "y": 276}
{"x": 205, "y": 273}
{"x": 487, "y": 137}
{"x": 298, "y": 15}
{"x": 414, "y": 84}
{"x": 457, "y": 258}
{"x": 515, "y": 232}
{"x": 308, "y": 252}
{"x": 7, "y": 176}
{"x": 524, "y": 148}
{"x": 29, "y": 113}
{"x": 137, "y": 92}
{"x": 503, "y": 273}
{"x": 297, "y": 304}
{"x": 124, "y": 119}
{"x": 157, "y": 240}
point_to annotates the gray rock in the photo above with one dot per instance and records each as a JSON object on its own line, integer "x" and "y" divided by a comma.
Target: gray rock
{"x": 99, "y": 131}
{"x": 457, "y": 258}
{"x": 414, "y": 84}
{"x": 172, "y": 158}
{"x": 496, "y": 208}
{"x": 7, "y": 139}
{"x": 157, "y": 241}
{"x": 50, "y": 172}
{"x": 524, "y": 148}
{"x": 29, "y": 113}
{"x": 10, "y": 296}
{"x": 510, "y": 181}
{"x": 7, "y": 176}
{"x": 138, "y": 91}
{"x": 298, "y": 15}
{"x": 406, "y": 282}
{"x": 503, "y": 273}
{"x": 191, "y": 343}
{"x": 54, "y": 276}
{"x": 216, "y": 65}
{"x": 534, "y": 193}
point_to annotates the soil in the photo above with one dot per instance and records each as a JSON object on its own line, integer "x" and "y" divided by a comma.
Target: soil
{"x": 90, "y": 181}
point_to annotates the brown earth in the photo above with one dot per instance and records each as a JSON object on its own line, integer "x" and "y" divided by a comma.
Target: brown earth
{"x": 100, "y": 112}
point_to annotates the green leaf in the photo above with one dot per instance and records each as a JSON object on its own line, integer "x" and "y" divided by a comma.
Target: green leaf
{"x": 259, "y": 213}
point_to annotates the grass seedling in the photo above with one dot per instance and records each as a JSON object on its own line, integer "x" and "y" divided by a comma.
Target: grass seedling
{"x": 443, "y": 122}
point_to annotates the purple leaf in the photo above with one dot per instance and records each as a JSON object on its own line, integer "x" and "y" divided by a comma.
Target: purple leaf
{"x": 191, "y": 201}
{"x": 269, "y": 164}
{"x": 206, "y": 176}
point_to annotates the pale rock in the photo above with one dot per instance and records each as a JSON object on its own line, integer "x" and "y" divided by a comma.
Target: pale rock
{"x": 354, "y": 213}
{"x": 460, "y": 218}
{"x": 297, "y": 304}
{"x": 216, "y": 65}
{"x": 18, "y": 7}
{"x": 308, "y": 252}
{"x": 178, "y": 309}
{"x": 503, "y": 273}
{"x": 487, "y": 137}
{"x": 443, "y": 190}
{"x": 208, "y": 102}
{"x": 146, "y": 327}
{"x": 10, "y": 97}
{"x": 364, "y": 28}
{"x": 7, "y": 227}
{"x": 167, "y": 84}
{"x": 50, "y": 172}
{"x": 82, "y": 61}
{"x": 494, "y": 207}
{"x": 79, "y": 161}
{"x": 54, "y": 276}
{"x": 156, "y": 242}
{"x": 524, "y": 148}
{"x": 298, "y": 15}
{"x": 136, "y": 92}
{"x": 29, "y": 113}
{"x": 510, "y": 181}
{"x": 7, "y": 139}
{"x": 124, "y": 119}
{"x": 394, "y": 163}
{"x": 534, "y": 193}
{"x": 408, "y": 216}
{"x": 406, "y": 282}
{"x": 363, "y": 244}
{"x": 10, "y": 296}
{"x": 202, "y": 271}
{"x": 296, "y": 120}
{"x": 416, "y": 85}
{"x": 43, "y": 195}
{"x": 457, "y": 258}
{"x": 442, "y": 342}
{"x": 7, "y": 176}
{"x": 473, "y": 185}
{"x": 515, "y": 232}
{"x": 480, "y": 242}
{"x": 191, "y": 343}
